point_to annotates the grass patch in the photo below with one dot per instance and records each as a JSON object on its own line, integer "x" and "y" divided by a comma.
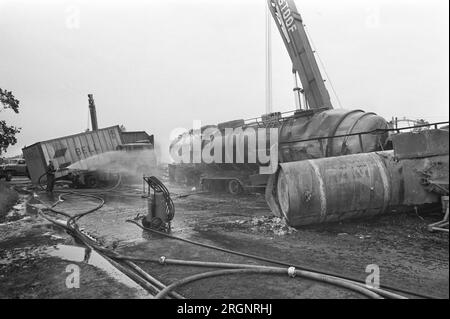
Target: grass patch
{"x": 8, "y": 198}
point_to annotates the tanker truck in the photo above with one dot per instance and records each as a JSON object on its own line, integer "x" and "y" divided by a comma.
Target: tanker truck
{"x": 314, "y": 130}
{"x": 306, "y": 134}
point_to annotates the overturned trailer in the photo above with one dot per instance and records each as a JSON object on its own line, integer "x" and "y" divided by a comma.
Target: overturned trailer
{"x": 78, "y": 158}
{"x": 67, "y": 150}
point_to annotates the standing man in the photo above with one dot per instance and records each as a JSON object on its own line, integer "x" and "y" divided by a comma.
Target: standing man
{"x": 50, "y": 176}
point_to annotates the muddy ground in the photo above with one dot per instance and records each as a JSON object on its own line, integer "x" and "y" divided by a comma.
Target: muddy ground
{"x": 408, "y": 255}
{"x": 28, "y": 270}
{"x": 8, "y": 198}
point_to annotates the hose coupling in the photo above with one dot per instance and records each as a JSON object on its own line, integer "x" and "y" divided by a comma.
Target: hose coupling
{"x": 291, "y": 272}
{"x": 162, "y": 260}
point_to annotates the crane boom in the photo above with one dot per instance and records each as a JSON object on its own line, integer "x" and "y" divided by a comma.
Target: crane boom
{"x": 93, "y": 112}
{"x": 290, "y": 25}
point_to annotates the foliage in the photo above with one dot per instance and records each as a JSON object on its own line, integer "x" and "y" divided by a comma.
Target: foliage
{"x": 8, "y": 132}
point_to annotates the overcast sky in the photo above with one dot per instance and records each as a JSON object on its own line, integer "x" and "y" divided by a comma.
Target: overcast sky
{"x": 158, "y": 65}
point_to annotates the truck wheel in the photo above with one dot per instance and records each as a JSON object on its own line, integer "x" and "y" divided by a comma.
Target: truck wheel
{"x": 234, "y": 187}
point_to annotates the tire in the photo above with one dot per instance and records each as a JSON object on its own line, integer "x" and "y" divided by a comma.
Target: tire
{"x": 234, "y": 187}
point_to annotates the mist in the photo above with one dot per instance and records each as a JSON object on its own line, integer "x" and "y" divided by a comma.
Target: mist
{"x": 132, "y": 164}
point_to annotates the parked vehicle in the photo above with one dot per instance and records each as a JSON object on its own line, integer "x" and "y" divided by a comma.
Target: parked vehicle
{"x": 13, "y": 167}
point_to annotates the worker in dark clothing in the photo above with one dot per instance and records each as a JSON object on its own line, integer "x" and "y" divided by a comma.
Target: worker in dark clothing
{"x": 50, "y": 176}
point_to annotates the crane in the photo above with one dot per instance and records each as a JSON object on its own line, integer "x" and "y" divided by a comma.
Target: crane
{"x": 304, "y": 65}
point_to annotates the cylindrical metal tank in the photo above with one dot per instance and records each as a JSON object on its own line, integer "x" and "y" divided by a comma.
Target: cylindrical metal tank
{"x": 311, "y": 136}
{"x": 292, "y": 131}
{"x": 337, "y": 188}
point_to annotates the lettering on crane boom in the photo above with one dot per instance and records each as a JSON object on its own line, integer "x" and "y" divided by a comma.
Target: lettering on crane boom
{"x": 285, "y": 18}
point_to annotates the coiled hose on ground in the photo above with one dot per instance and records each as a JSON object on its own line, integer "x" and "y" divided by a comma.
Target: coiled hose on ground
{"x": 281, "y": 263}
{"x": 157, "y": 186}
{"x": 340, "y": 281}
{"x": 270, "y": 271}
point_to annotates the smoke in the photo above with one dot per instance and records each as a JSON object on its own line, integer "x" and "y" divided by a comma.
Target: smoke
{"x": 127, "y": 163}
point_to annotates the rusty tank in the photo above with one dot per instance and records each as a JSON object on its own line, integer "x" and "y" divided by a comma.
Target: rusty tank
{"x": 358, "y": 185}
{"x": 330, "y": 133}
{"x": 305, "y": 134}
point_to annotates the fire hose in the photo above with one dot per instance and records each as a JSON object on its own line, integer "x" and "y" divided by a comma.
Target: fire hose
{"x": 73, "y": 229}
{"x": 149, "y": 283}
{"x": 348, "y": 283}
{"x": 225, "y": 265}
{"x": 166, "y": 261}
{"x": 273, "y": 271}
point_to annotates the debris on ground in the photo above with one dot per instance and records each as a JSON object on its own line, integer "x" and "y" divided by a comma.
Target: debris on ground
{"x": 268, "y": 224}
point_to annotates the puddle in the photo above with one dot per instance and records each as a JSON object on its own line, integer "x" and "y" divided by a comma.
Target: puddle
{"x": 77, "y": 254}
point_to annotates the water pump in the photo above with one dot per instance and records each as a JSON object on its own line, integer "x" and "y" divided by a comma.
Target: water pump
{"x": 161, "y": 209}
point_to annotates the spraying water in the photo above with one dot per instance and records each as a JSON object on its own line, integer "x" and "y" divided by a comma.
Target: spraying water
{"x": 131, "y": 163}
